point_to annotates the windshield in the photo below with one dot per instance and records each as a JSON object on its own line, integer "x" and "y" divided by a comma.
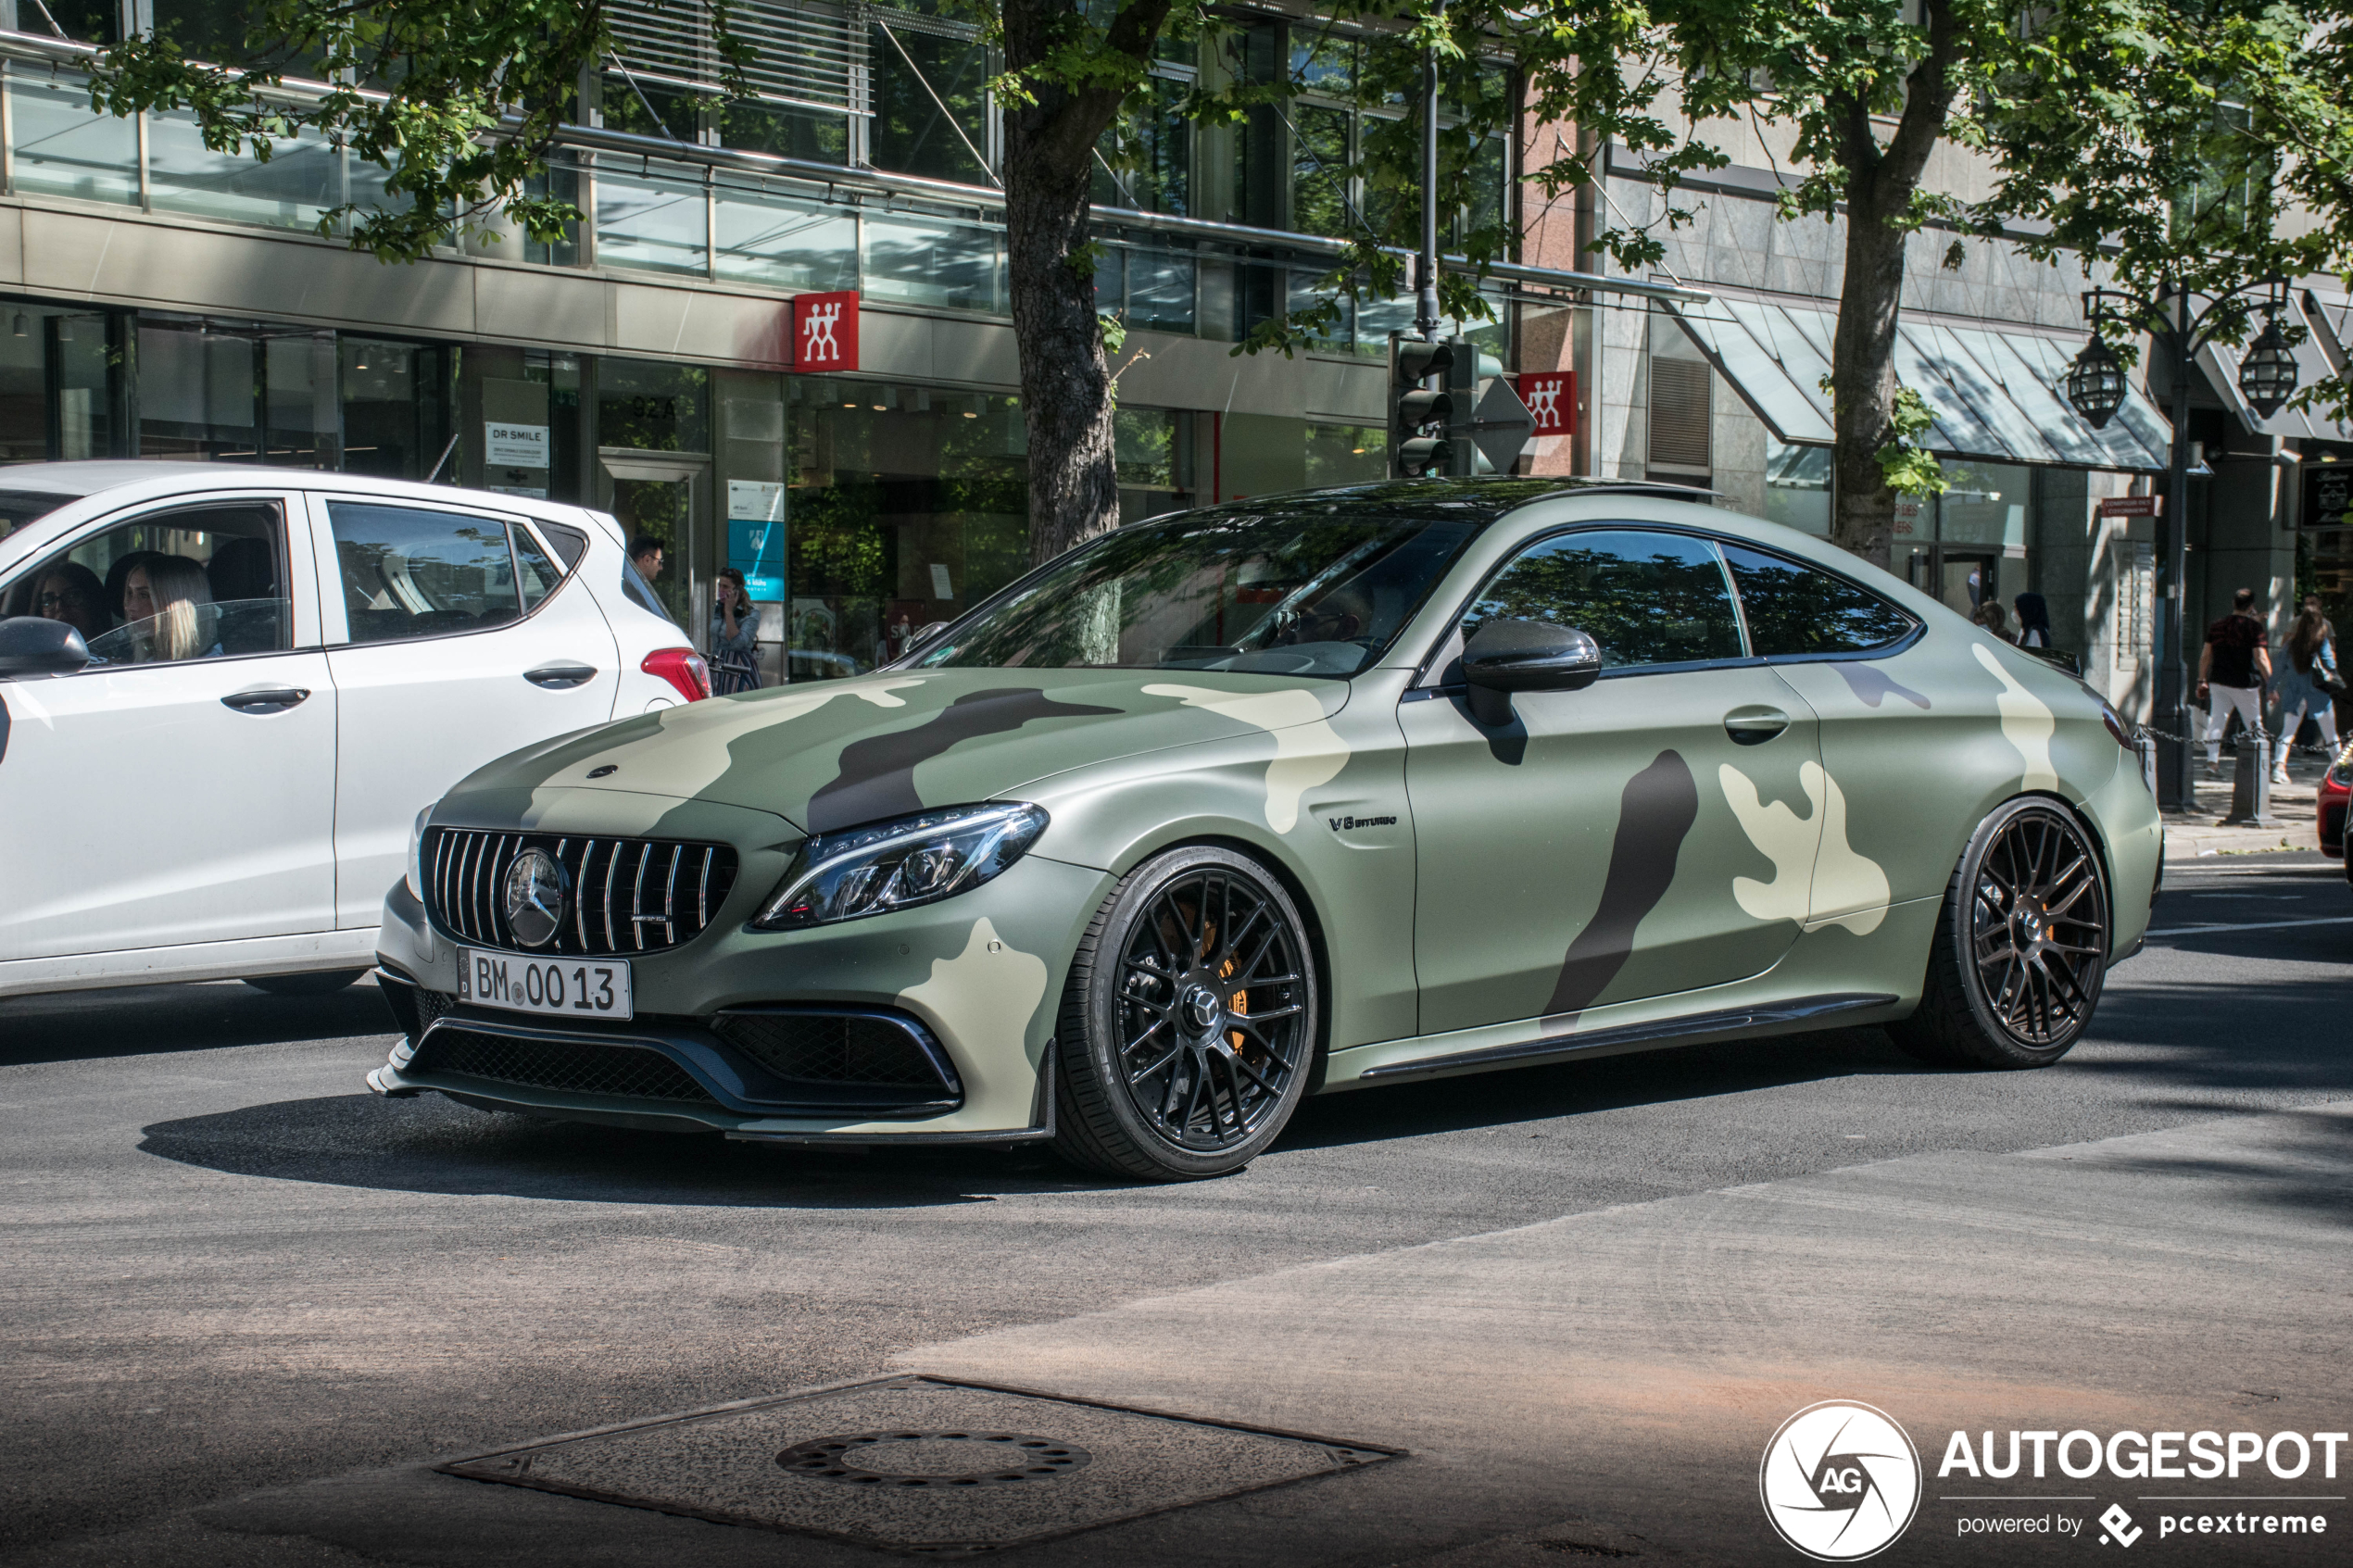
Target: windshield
{"x": 1295, "y": 592}
{"x": 20, "y": 506}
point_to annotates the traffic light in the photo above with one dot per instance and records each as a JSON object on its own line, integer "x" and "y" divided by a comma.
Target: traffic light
{"x": 1418, "y": 414}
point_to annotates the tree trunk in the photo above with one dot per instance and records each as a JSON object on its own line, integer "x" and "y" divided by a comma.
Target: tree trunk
{"x": 1863, "y": 377}
{"x": 1065, "y": 376}
{"x": 1880, "y": 184}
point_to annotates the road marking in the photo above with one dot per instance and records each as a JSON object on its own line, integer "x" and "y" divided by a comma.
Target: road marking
{"x": 2251, "y": 925}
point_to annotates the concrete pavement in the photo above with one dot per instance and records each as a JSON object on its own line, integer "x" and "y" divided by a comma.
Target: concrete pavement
{"x": 243, "y": 1305}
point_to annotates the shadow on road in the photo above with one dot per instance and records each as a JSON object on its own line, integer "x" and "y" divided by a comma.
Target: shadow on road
{"x": 91, "y": 1026}
{"x": 432, "y": 1145}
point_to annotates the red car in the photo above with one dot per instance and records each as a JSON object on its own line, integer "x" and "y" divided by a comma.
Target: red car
{"x": 2336, "y": 792}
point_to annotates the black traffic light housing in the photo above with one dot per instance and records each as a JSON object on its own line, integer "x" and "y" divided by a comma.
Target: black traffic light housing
{"x": 1418, "y": 414}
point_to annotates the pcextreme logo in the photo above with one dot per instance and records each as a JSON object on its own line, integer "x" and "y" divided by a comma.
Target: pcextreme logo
{"x": 1840, "y": 1481}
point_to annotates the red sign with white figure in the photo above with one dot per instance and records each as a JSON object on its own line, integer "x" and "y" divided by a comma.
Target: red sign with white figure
{"x": 1550, "y": 396}
{"x": 825, "y": 331}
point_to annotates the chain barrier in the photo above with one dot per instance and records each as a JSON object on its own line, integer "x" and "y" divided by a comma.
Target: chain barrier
{"x": 2333, "y": 753}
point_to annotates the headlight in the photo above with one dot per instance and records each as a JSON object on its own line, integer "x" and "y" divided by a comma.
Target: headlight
{"x": 898, "y": 864}
{"x": 417, "y": 857}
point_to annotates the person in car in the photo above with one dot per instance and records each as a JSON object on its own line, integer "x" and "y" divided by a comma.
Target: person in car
{"x": 72, "y": 592}
{"x": 645, "y": 554}
{"x": 169, "y": 600}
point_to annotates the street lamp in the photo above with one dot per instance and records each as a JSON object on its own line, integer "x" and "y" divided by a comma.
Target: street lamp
{"x": 2095, "y": 387}
{"x": 2096, "y": 383}
{"x": 2267, "y": 373}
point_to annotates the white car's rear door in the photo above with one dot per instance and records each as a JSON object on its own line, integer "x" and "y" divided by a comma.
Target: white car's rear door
{"x": 181, "y": 791}
{"x": 454, "y": 636}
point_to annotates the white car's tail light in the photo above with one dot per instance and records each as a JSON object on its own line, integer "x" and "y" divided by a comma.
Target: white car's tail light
{"x": 684, "y": 668}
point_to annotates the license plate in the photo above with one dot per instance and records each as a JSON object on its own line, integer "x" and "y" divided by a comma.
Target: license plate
{"x": 558, "y": 987}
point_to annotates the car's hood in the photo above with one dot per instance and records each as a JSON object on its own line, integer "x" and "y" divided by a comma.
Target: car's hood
{"x": 832, "y": 754}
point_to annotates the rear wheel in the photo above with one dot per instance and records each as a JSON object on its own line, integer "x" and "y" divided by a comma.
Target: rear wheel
{"x": 2021, "y": 945}
{"x": 320, "y": 982}
{"x": 1190, "y": 1020}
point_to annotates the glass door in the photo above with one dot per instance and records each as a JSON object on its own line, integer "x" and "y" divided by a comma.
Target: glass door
{"x": 665, "y": 497}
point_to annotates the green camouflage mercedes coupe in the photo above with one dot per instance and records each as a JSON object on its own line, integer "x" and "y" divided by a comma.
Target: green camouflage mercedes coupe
{"x": 1328, "y": 791}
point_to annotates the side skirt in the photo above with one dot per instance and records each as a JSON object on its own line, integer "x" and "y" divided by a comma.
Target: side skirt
{"x": 1688, "y": 1028}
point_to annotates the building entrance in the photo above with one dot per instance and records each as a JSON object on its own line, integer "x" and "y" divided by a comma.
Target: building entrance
{"x": 667, "y": 494}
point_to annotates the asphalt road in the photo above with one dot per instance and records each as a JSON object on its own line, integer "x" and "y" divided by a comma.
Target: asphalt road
{"x": 244, "y": 1303}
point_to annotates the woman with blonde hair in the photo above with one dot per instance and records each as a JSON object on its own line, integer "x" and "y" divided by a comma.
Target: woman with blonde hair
{"x": 167, "y": 605}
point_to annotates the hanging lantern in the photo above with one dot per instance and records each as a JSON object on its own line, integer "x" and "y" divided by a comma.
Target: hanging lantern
{"x": 2096, "y": 383}
{"x": 2267, "y": 376}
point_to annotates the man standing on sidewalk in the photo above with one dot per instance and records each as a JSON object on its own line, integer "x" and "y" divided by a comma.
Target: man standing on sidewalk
{"x": 2232, "y": 670}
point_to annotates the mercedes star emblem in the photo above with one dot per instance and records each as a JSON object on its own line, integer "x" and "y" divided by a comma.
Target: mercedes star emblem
{"x": 535, "y": 898}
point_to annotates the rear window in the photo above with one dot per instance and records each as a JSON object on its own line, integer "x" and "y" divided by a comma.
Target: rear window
{"x": 20, "y": 506}
{"x": 1794, "y": 609}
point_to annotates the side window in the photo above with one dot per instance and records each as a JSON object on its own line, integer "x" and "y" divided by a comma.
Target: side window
{"x": 1646, "y": 598}
{"x": 534, "y": 574}
{"x": 409, "y": 572}
{"x": 1793, "y": 608}
{"x": 193, "y": 582}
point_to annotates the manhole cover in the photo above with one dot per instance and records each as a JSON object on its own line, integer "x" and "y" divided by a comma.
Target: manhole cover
{"x": 919, "y": 1464}
{"x": 933, "y": 1459}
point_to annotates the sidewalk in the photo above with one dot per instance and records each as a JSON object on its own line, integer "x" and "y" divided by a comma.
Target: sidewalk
{"x": 2191, "y": 834}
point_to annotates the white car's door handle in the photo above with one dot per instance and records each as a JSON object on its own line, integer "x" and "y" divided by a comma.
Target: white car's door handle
{"x": 266, "y": 700}
{"x": 556, "y": 677}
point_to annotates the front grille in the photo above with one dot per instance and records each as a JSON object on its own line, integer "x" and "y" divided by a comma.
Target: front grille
{"x": 625, "y": 896}
{"x": 629, "y": 1071}
{"x": 831, "y": 1048}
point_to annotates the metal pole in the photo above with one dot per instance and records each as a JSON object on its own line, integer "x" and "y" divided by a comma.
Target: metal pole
{"x": 1426, "y": 266}
{"x": 2176, "y": 785}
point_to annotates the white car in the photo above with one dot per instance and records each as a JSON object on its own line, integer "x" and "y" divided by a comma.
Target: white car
{"x": 227, "y": 692}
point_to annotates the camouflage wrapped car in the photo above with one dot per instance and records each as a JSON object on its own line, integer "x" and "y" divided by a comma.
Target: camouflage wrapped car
{"x": 1317, "y": 792}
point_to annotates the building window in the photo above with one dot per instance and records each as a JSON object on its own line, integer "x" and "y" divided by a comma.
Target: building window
{"x": 1797, "y": 487}
{"x": 931, "y": 102}
{"x": 1680, "y": 407}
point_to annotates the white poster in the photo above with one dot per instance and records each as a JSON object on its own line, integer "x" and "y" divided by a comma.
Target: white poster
{"x": 754, "y": 500}
{"x": 514, "y": 447}
{"x": 939, "y": 584}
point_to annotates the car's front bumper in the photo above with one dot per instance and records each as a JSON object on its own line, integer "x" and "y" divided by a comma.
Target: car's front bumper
{"x": 979, "y": 976}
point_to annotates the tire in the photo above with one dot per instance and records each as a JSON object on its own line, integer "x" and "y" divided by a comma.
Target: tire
{"x": 1190, "y": 1020}
{"x": 318, "y": 983}
{"x": 2021, "y": 945}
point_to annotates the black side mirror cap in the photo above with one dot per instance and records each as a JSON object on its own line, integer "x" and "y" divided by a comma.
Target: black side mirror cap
{"x": 32, "y": 645}
{"x": 1507, "y": 656}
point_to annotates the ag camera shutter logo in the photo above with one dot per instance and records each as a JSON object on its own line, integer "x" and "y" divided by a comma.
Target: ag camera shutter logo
{"x": 1840, "y": 1481}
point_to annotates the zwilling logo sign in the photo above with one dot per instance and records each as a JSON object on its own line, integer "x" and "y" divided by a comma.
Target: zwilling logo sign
{"x": 1551, "y": 397}
{"x": 825, "y": 331}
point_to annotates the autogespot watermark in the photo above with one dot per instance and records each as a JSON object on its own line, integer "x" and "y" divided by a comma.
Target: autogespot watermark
{"x": 2236, "y": 1459}
{"x": 1841, "y": 1481}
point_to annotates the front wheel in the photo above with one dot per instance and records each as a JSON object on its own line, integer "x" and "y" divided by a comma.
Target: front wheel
{"x": 1189, "y": 1023}
{"x": 2021, "y": 945}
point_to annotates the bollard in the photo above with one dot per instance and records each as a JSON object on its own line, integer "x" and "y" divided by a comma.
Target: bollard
{"x": 2251, "y": 785}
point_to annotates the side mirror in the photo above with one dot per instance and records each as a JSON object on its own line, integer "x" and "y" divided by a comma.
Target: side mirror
{"x": 1507, "y": 656}
{"x": 31, "y": 645}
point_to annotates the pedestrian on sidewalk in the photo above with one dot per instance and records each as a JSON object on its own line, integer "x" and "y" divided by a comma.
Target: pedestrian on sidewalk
{"x": 1989, "y": 615}
{"x": 2033, "y": 622}
{"x": 2309, "y": 682}
{"x": 2232, "y": 670}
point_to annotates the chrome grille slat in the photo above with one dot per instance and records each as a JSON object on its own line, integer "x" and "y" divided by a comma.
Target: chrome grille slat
{"x": 580, "y": 892}
{"x": 612, "y": 869}
{"x": 637, "y": 898}
{"x": 465, "y": 883}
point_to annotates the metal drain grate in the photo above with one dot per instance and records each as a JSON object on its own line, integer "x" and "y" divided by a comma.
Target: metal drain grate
{"x": 919, "y": 1464}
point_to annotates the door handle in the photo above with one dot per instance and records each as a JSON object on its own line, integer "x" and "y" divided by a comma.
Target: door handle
{"x": 1754, "y": 726}
{"x": 266, "y": 700}
{"x": 557, "y": 677}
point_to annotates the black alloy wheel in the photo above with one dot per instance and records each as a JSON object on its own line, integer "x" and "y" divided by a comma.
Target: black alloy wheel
{"x": 1190, "y": 1022}
{"x": 2022, "y": 944}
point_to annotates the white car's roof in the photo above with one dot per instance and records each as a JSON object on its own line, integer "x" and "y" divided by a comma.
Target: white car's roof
{"x": 94, "y": 488}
